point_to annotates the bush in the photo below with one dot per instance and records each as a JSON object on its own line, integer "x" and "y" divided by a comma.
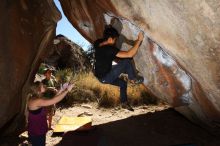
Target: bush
{"x": 63, "y": 76}
{"x": 88, "y": 88}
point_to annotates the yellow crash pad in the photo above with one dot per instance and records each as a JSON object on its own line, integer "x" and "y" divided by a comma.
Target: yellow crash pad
{"x": 73, "y": 123}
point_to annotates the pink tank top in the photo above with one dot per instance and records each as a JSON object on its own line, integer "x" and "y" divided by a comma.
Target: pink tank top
{"x": 37, "y": 122}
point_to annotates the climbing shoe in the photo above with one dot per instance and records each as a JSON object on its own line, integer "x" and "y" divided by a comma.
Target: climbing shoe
{"x": 127, "y": 106}
{"x": 138, "y": 80}
{"x": 124, "y": 77}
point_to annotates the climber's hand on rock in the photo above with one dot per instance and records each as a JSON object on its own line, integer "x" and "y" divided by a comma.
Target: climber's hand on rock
{"x": 140, "y": 36}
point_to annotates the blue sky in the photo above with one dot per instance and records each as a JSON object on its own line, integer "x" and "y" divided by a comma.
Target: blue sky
{"x": 65, "y": 27}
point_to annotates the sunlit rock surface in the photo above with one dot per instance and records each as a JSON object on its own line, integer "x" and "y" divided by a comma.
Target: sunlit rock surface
{"x": 180, "y": 54}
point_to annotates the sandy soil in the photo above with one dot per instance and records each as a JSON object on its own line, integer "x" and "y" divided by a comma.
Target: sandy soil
{"x": 100, "y": 116}
{"x": 146, "y": 126}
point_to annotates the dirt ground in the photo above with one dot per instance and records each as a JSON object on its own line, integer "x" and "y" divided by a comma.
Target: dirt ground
{"x": 146, "y": 126}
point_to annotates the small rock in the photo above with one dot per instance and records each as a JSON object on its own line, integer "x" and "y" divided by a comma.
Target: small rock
{"x": 24, "y": 134}
{"x": 86, "y": 106}
{"x": 88, "y": 113}
{"x": 85, "y": 114}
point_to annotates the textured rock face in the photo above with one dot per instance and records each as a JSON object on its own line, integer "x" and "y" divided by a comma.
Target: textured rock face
{"x": 179, "y": 56}
{"x": 26, "y": 28}
{"x": 66, "y": 54}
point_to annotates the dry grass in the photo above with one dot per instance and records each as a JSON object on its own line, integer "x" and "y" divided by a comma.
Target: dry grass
{"x": 88, "y": 88}
{"x": 106, "y": 95}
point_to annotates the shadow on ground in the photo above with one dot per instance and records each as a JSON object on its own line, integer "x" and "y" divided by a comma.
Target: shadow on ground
{"x": 163, "y": 128}
{"x": 11, "y": 141}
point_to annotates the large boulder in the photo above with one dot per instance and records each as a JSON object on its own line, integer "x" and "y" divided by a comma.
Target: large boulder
{"x": 26, "y": 29}
{"x": 66, "y": 54}
{"x": 179, "y": 56}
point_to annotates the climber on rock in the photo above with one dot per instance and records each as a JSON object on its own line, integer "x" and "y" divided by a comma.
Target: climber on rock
{"x": 106, "y": 72}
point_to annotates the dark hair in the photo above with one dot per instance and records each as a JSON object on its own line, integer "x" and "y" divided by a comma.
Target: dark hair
{"x": 59, "y": 36}
{"x": 110, "y": 32}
